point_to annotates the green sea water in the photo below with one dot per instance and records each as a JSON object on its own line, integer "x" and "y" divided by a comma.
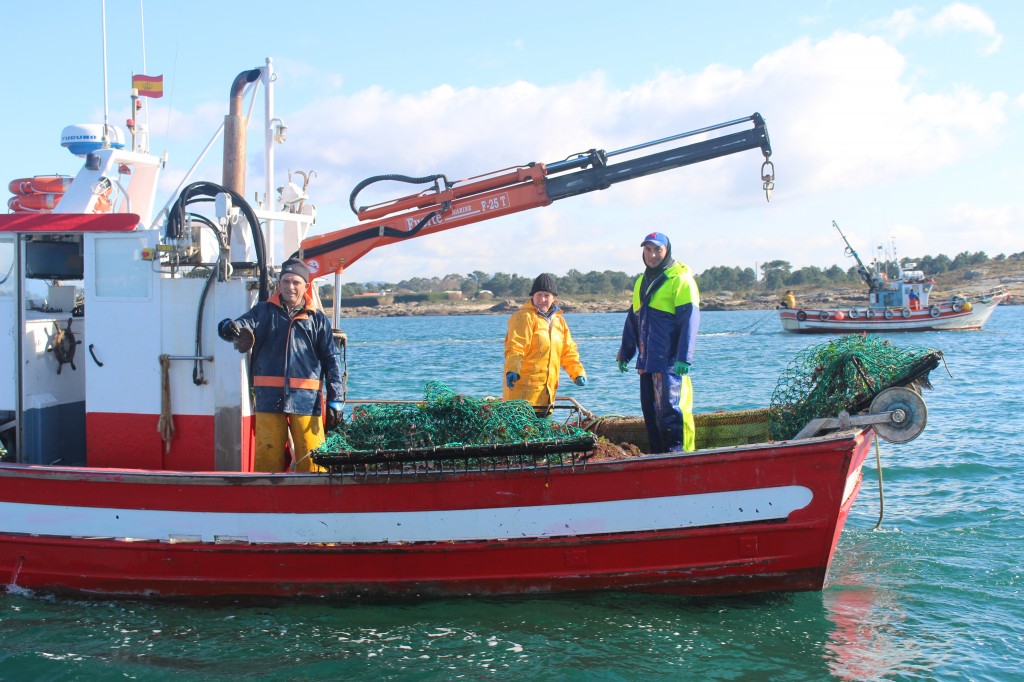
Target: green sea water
{"x": 933, "y": 594}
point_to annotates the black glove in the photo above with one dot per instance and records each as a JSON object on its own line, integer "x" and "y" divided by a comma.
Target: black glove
{"x": 334, "y": 417}
{"x": 228, "y": 329}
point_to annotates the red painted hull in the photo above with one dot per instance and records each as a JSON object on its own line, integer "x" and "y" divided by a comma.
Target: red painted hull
{"x": 720, "y": 522}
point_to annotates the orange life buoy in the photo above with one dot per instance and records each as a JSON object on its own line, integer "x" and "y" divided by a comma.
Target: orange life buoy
{"x": 41, "y": 184}
{"x": 34, "y": 202}
{"x": 44, "y": 203}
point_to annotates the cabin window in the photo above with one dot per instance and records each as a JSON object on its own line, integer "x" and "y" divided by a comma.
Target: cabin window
{"x": 8, "y": 267}
{"x": 890, "y": 299}
{"x": 120, "y": 270}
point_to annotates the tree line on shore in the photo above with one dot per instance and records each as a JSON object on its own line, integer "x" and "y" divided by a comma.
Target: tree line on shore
{"x": 774, "y": 275}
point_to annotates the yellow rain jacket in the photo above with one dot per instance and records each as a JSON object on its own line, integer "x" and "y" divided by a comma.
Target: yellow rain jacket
{"x": 536, "y": 348}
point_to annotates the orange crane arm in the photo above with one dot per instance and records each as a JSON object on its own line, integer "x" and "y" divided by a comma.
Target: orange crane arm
{"x": 512, "y": 190}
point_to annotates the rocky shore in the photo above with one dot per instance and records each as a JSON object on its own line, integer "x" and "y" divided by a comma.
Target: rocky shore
{"x": 722, "y": 300}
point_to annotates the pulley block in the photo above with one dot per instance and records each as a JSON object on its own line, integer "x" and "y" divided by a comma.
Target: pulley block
{"x": 909, "y": 414}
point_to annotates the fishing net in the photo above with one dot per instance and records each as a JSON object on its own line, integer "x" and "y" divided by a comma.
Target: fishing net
{"x": 844, "y": 374}
{"x": 447, "y": 426}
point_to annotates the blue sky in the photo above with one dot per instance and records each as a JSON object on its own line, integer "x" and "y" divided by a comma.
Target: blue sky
{"x": 899, "y": 121}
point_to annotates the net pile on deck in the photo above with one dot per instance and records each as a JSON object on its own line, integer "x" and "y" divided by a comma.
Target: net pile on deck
{"x": 450, "y": 430}
{"x": 844, "y": 374}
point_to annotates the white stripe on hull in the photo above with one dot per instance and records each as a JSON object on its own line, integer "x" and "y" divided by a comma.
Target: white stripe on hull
{"x": 503, "y": 523}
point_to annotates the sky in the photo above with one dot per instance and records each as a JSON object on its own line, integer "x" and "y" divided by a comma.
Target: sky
{"x": 901, "y": 122}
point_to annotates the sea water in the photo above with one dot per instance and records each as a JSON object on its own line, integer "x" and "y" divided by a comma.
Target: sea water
{"x": 934, "y": 593}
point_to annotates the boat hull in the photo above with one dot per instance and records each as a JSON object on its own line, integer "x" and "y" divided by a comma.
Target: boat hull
{"x": 720, "y": 522}
{"x": 840, "y": 321}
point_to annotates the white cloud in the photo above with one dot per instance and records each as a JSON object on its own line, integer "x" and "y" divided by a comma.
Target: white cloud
{"x": 845, "y": 116}
{"x": 955, "y": 18}
{"x": 967, "y": 19}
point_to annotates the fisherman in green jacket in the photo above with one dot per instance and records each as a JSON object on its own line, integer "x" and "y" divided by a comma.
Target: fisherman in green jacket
{"x": 661, "y": 330}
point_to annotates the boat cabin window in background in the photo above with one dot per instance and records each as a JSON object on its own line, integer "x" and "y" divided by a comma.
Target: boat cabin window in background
{"x": 890, "y": 299}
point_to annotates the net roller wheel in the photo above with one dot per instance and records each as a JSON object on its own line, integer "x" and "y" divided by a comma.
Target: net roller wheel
{"x": 909, "y": 414}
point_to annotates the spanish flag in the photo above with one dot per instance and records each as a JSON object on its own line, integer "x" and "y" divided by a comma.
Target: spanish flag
{"x": 148, "y": 86}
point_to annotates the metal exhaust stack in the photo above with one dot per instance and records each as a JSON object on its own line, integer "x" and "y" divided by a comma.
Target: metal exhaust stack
{"x": 234, "y": 134}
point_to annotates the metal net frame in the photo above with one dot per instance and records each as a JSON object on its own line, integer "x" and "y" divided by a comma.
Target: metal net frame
{"x": 843, "y": 375}
{"x": 448, "y": 429}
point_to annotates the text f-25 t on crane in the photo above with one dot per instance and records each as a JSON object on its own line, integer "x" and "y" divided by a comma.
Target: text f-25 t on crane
{"x": 510, "y": 190}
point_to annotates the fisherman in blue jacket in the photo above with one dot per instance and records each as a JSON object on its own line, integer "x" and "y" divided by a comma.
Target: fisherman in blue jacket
{"x": 661, "y": 330}
{"x": 292, "y": 350}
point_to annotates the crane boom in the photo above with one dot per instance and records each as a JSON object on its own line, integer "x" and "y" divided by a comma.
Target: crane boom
{"x": 516, "y": 189}
{"x": 870, "y": 277}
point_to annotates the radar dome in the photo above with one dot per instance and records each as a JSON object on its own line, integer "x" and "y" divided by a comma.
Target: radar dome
{"x": 82, "y": 138}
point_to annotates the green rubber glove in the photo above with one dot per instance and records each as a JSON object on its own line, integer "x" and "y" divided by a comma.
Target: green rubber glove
{"x": 681, "y": 368}
{"x": 623, "y": 365}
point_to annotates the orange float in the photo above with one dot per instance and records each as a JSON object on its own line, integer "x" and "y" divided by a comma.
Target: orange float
{"x": 41, "y": 184}
{"x": 42, "y": 193}
{"x": 44, "y": 203}
{"x": 34, "y": 202}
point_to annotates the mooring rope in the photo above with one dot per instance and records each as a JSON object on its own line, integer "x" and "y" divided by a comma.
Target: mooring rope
{"x": 165, "y": 425}
{"x": 881, "y": 496}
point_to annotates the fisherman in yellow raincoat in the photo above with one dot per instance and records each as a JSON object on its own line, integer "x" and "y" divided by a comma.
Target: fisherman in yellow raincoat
{"x": 537, "y": 346}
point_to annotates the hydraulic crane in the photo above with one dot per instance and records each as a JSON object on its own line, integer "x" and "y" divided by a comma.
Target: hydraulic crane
{"x": 510, "y": 190}
{"x": 869, "y": 275}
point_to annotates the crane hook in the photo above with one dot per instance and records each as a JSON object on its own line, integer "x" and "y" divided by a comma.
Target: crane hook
{"x": 768, "y": 177}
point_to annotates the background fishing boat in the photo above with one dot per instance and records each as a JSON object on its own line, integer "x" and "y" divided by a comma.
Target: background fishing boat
{"x": 903, "y": 303}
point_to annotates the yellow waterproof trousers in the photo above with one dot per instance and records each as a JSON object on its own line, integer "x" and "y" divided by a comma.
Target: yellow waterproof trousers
{"x": 272, "y": 436}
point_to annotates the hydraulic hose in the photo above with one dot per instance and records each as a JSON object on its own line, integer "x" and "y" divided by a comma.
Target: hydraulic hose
{"x": 368, "y": 233}
{"x": 394, "y": 177}
{"x": 207, "y": 191}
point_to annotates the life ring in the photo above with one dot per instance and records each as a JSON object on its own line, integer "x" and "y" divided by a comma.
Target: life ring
{"x": 888, "y": 313}
{"x": 823, "y": 315}
{"x": 934, "y": 311}
{"x": 853, "y": 314}
{"x": 905, "y": 313}
{"x": 41, "y": 184}
{"x": 957, "y": 306}
{"x": 869, "y": 313}
{"x": 45, "y": 201}
{"x": 801, "y": 315}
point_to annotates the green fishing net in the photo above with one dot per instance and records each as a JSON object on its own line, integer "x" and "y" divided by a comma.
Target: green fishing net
{"x": 844, "y": 374}
{"x": 447, "y": 425}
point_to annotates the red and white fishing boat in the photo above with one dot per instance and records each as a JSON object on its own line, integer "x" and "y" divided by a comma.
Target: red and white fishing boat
{"x": 901, "y": 304}
{"x": 129, "y": 463}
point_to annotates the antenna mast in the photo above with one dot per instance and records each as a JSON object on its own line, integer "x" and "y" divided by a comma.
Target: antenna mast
{"x": 145, "y": 69}
{"x": 106, "y": 105}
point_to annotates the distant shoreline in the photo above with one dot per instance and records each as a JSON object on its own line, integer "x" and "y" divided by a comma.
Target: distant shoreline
{"x": 715, "y": 302}
{"x": 1008, "y": 274}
